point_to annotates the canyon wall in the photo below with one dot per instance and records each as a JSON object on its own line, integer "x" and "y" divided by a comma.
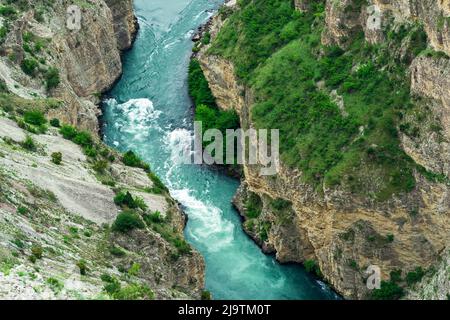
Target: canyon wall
{"x": 340, "y": 232}
{"x": 88, "y": 59}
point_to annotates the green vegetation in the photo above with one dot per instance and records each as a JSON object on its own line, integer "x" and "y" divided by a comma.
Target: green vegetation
{"x": 125, "y": 199}
{"x": 278, "y": 53}
{"x": 198, "y": 86}
{"x": 206, "y": 295}
{"x": 57, "y": 158}
{"x": 253, "y": 206}
{"x": 168, "y": 232}
{"x": 415, "y": 276}
{"x": 127, "y": 221}
{"x": 132, "y": 160}
{"x": 130, "y": 292}
{"x": 206, "y": 109}
{"x": 389, "y": 290}
{"x": 55, "y": 123}
{"x": 29, "y": 144}
{"x": 158, "y": 185}
{"x": 34, "y": 117}
{"x": 82, "y": 265}
{"x": 311, "y": 266}
{"x": 37, "y": 251}
{"x": 52, "y": 79}
{"x": 29, "y": 66}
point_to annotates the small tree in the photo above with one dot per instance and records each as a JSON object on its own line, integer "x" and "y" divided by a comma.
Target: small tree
{"x": 29, "y": 66}
{"x": 57, "y": 158}
{"x": 82, "y": 265}
{"x": 29, "y": 144}
{"x": 55, "y": 123}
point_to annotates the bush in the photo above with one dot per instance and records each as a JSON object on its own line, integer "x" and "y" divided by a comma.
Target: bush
{"x": 253, "y": 206}
{"x": 7, "y": 11}
{"x": 68, "y": 132}
{"x": 388, "y": 291}
{"x": 158, "y": 185}
{"x": 55, "y": 123}
{"x": 83, "y": 139}
{"x": 312, "y": 267}
{"x": 131, "y": 159}
{"x": 57, "y": 158}
{"x": 52, "y": 79}
{"x": 82, "y": 265}
{"x": 415, "y": 276}
{"x": 37, "y": 251}
{"x": 154, "y": 217}
{"x": 90, "y": 151}
{"x": 29, "y": 66}
{"x": 127, "y": 221}
{"x": 29, "y": 144}
{"x": 206, "y": 295}
{"x": 198, "y": 86}
{"x": 125, "y": 199}
{"x": 34, "y": 117}
{"x": 100, "y": 166}
{"x": 116, "y": 251}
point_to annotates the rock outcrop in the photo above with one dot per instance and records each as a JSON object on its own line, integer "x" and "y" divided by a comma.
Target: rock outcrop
{"x": 344, "y": 234}
{"x": 88, "y": 59}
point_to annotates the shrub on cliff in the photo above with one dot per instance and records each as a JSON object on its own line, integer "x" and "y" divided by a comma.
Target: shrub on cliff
{"x": 415, "y": 276}
{"x": 127, "y": 221}
{"x": 198, "y": 85}
{"x": 131, "y": 159}
{"x": 29, "y": 144}
{"x": 55, "y": 123}
{"x": 389, "y": 290}
{"x": 57, "y": 158}
{"x": 125, "y": 199}
{"x": 68, "y": 132}
{"x": 83, "y": 139}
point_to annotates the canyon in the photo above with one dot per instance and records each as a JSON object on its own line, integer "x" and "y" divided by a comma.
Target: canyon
{"x": 342, "y": 232}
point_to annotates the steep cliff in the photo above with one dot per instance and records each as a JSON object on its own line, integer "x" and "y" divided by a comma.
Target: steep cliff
{"x": 78, "y": 220}
{"x": 365, "y": 209}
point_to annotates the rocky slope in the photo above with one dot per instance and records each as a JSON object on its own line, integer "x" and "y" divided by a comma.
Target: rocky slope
{"x": 88, "y": 59}
{"x": 340, "y": 232}
{"x": 61, "y": 236}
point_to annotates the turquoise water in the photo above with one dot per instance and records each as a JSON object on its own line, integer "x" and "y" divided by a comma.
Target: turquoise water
{"x": 149, "y": 111}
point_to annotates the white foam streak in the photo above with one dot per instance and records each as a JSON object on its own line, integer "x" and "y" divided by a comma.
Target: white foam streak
{"x": 212, "y": 227}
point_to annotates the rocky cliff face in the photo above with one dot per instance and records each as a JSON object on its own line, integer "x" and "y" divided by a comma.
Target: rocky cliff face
{"x": 88, "y": 59}
{"x": 54, "y": 218}
{"x": 344, "y": 234}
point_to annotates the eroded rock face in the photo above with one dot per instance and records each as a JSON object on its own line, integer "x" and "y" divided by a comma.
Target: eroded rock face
{"x": 88, "y": 59}
{"x": 343, "y": 233}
